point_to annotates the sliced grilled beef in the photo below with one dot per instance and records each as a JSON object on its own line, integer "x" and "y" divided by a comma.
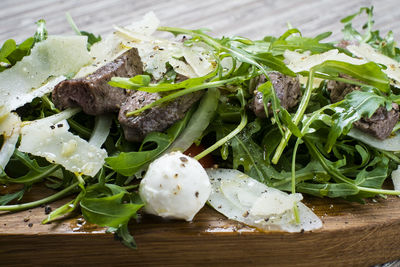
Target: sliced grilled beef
{"x": 92, "y": 93}
{"x": 381, "y": 123}
{"x": 338, "y": 90}
{"x": 286, "y": 88}
{"x": 158, "y": 118}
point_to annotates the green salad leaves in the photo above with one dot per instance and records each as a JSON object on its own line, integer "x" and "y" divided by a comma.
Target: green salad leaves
{"x": 303, "y": 149}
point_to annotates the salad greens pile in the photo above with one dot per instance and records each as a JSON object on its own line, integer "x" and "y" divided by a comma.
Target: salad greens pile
{"x": 304, "y": 150}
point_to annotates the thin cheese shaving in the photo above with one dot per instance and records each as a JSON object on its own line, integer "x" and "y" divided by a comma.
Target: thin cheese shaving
{"x": 55, "y": 143}
{"x": 54, "y": 57}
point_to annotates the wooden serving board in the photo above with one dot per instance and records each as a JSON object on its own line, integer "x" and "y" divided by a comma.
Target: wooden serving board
{"x": 352, "y": 234}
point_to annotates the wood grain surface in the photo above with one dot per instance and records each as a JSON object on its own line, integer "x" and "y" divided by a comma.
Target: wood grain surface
{"x": 353, "y": 234}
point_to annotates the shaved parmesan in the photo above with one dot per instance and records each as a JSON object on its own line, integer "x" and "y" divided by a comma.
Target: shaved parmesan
{"x": 198, "y": 59}
{"x": 368, "y": 53}
{"x": 157, "y": 52}
{"x": 54, "y": 142}
{"x": 147, "y": 26}
{"x": 246, "y": 200}
{"x": 119, "y": 42}
{"x": 299, "y": 62}
{"x": 54, "y": 57}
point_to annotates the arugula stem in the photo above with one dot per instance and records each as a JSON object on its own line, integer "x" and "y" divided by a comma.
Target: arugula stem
{"x": 235, "y": 52}
{"x": 391, "y": 156}
{"x": 184, "y": 92}
{"x": 379, "y": 191}
{"x": 72, "y": 24}
{"x": 237, "y": 130}
{"x": 314, "y": 151}
{"x": 297, "y": 117}
{"x": 33, "y": 179}
{"x": 33, "y": 204}
{"x": 129, "y": 187}
{"x": 296, "y": 146}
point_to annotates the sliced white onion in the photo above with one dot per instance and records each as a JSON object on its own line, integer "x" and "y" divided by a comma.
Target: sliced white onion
{"x": 198, "y": 122}
{"x": 388, "y": 144}
{"x": 101, "y": 130}
{"x": 396, "y": 178}
{"x": 246, "y": 200}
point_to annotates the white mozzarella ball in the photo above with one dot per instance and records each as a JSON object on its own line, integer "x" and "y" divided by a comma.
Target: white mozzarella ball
{"x": 175, "y": 186}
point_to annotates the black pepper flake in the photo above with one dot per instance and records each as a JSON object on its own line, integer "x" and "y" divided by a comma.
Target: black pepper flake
{"x": 302, "y": 231}
{"x": 60, "y": 125}
{"x": 26, "y": 219}
{"x": 183, "y": 165}
{"x": 183, "y": 159}
{"x": 219, "y": 206}
{"x": 52, "y": 127}
{"x": 175, "y": 175}
{"x": 266, "y": 219}
{"x": 196, "y": 194}
{"x": 47, "y": 210}
{"x": 30, "y": 224}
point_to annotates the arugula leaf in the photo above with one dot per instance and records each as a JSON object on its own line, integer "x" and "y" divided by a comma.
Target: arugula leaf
{"x": 128, "y": 163}
{"x": 5, "y": 199}
{"x": 300, "y": 43}
{"x": 125, "y": 237}
{"x": 35, "y": 174}
{"x": 41, "y": 32}
{"x": 356, "y": 105}
{"x": 11, "y": 53}
{"x": 369, "y": 73}
{"x": 386, "y": 45}
{"x": 64, "y": 209}
{"x": 329, "y": 189}
{"x": 142, "y": 83}
{"x": 91, "y": 37}
{"x": 374, "y": 178}
{"x": 108, "y": 211}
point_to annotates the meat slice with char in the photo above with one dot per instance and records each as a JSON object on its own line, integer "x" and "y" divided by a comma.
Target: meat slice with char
{"x": 95, "y": 96}
{"x": 93, "y": 93}
{"x": 158, "y": 118}
{"x": 287, "y": 89}
{"x": 380, "y": 124}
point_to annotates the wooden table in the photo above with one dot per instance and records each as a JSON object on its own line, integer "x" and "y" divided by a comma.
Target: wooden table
{"x": 352, "y": 235}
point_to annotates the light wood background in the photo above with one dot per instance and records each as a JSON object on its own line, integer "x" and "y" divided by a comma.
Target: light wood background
{"x": 250, "y": 18}
{"x": 360, "y": 225}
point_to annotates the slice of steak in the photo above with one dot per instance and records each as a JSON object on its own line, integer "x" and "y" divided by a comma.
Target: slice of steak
{"x": 338, "y": 90}
{"x": 381, "y": 123}
{"x": 93, "y": 93}
{"x": 158, "y": 118}
{"x": 286, "y": 88}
